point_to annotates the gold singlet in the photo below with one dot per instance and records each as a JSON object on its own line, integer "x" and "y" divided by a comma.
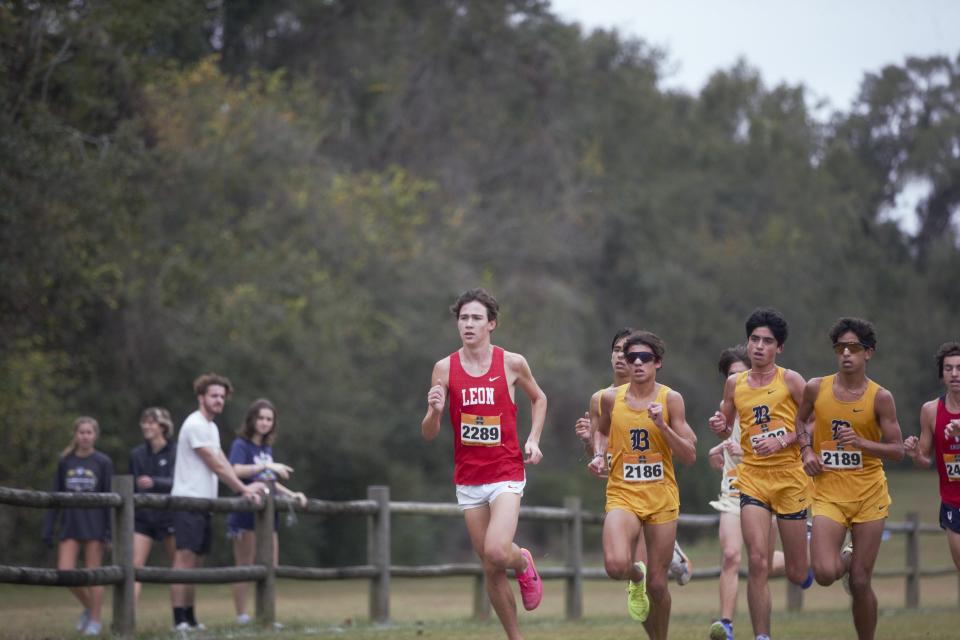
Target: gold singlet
{"x": 848, "y": 473}
{"x": 641, "y": 469}
{"x": 766, "y": 412}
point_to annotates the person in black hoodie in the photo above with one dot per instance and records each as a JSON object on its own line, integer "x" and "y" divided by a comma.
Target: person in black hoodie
{"x": 82, "y": 469}
{"x": 151, "y": 465}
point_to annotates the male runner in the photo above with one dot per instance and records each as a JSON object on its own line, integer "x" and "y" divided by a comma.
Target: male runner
{"x": 940, "y": 434}
{"x": 855, "y": 426}
{"x": 681, "y": 569}
{"x": 771, "y": 478}
{"x": 488, "y": 464}
{"x": 726, "y": 457}
{"x": 645, "y": 426}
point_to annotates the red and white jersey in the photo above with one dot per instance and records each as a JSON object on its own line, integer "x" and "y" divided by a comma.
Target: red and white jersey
{"x": 484, "y": 420}
{"x": 948, "y": 456}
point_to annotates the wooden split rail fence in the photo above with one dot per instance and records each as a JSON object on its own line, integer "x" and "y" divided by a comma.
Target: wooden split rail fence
{"x": 378, "y": 509}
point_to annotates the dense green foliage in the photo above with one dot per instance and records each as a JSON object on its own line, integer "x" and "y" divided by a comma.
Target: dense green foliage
{"x": 291, "y": 193}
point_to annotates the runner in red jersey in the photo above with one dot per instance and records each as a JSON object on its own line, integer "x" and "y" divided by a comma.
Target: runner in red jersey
{"x": 940, "y": 439}
{"x": 488, "y": 464}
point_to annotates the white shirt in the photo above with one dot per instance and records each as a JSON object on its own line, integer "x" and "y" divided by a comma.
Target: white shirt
{"x": 191, "y": 475}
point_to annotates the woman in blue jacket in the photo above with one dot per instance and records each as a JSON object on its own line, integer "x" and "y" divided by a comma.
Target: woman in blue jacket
{"x": 151, "y": 465}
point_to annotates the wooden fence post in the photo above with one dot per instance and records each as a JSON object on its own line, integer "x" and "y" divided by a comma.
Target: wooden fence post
{"x": 481, "y": 603}
{"x": 378, "y": 554}
{"x": 913, "y": 561}
{"x": 574, "y": 527}
{"x": 266, "y": 597}
{"x": 124, "y": 612}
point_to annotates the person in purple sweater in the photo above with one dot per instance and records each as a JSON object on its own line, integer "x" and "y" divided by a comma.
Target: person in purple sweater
{"x": 82, "y": 469}
{"x": 252, "y": 458}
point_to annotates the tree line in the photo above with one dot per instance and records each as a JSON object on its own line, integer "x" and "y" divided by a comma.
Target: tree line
{"x": 292, "y": 193}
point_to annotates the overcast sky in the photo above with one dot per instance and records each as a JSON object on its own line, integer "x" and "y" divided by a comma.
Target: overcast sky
{"x": 827, "y": 45}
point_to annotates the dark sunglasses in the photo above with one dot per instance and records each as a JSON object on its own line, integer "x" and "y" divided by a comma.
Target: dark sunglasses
{"x": 853, "y": 347}
{"x": 642, "y": 356}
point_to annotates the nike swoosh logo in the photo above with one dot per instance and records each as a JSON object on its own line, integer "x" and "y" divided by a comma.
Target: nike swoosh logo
{"x": 857, "y": 410}
{"x": 771, "y": 391}
{"x": 494, "y": 378}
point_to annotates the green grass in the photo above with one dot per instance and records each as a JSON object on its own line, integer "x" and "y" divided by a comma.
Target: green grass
{"x": 441, "y": 607}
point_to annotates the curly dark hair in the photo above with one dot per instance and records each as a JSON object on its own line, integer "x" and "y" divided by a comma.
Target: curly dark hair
{"x": 770, "y": 318}
{"x": 866, "y": 334}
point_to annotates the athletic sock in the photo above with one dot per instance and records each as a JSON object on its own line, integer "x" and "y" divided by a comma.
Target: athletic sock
{"x": 191, "y": 619}
{"x": 763, "y": 636}
{"x": 179, "y": 615}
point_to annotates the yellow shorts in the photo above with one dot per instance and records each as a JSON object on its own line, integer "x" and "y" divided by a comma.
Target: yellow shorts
{"x": 873, "y": 506}
{"x": 645, "y": 516}
{"x": 785, "y": 490}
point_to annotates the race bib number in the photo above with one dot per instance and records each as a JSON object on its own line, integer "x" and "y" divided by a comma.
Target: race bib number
{"x": 951, "y": 462}
{"x": 767, "y": 430}
{"x": 729, "y": 480}
{"x": 483, "y": 431}
{"x": 642, "y": 467}
{"x": 835, "y": 456}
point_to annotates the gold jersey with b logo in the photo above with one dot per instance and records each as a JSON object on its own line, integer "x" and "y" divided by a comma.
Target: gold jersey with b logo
{"x": 766, "y": 412}
{"x": 848, "y": 473}
{"x": 641, "y": 474}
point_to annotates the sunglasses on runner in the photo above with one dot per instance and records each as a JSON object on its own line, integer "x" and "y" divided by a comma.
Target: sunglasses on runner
{"x": 642, "y": 356}
{"x": 853, "y": 347}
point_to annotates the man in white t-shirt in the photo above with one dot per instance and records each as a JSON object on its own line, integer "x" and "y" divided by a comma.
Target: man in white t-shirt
{"x": 200, "y": 461}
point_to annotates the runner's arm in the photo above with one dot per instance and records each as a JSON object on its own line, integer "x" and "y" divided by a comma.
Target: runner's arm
{"x": 605, "y": 402}
{"x": 436, "y": 397}
{"x": 538, "y": 405}
{"x": 891, "y": 444}
{"x": 811, "y": 463}
{"x": 721, "y": 422}
{"x": 920, "y": 450}
{"x": 797, "y": 386}
{"x": 679, "y": 435}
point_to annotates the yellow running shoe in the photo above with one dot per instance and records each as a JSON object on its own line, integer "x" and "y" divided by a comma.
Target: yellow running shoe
{"x": 638, "y": 604}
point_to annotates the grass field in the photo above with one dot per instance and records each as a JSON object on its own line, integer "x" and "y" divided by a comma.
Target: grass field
{"x": 440, "y": 607}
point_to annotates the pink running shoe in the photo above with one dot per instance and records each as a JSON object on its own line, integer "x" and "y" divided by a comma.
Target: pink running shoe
{"x": 531, "y": 587}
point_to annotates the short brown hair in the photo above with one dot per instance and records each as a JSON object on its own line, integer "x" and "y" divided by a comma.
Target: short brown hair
{"x": 249, "y": 427}
{"x": 730, "y": 356}
{"x": 649, "y": 339}
{"x": 201, "y": 383}
{"x": 946, "y": 350}
{"x": 161, "y": 416}
{"x": 477, "y": 295}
